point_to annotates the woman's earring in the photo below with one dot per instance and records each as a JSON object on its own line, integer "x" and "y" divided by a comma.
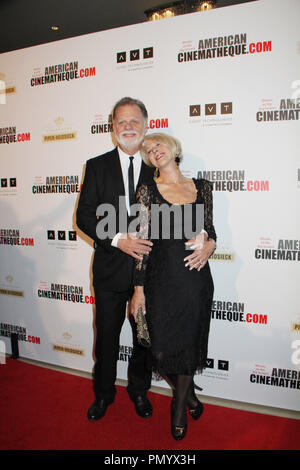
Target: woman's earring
{"x": 177, "y": 160}
{"x": 156, "y": 173}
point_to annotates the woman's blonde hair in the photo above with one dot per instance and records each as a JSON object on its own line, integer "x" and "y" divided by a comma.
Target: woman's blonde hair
{"x": 158, "y": 137}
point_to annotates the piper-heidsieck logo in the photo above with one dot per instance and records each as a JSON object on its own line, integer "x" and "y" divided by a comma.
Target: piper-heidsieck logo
{"x": 135, "y": 58}
{"x": 8, "y": 286}
{"x": 210, "y": 114}
{"x": 233, "y": 181}
{"x": 276, "y": 377}
{"x": 66, "y": 344}
{"x": 285, "y": 109}
{"x": 63, "y": 184}
{"x": 64, "y": 292}
{"x": 277, "y": 250}
{"x": 8, "y": 186}
{"x": 7, "y": 87}
{"x": 58, "y": 73}
{"x": 235, "y": 312}
{"x": 223, "y": 253}
{"x": 61, "y": 132}
{"x": 14, "y": 237}
{"x": 233, "y": 45}
{"x": 10, "y": 135}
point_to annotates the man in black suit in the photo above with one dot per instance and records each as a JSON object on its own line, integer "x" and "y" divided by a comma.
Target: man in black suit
{"x": 108, "y": 177}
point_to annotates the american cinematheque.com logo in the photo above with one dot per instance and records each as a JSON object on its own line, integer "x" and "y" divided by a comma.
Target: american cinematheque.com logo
{"x": 235, "y": 312}
{"x": 280, "y": 250}
{"x": 232, "y": 181}
{"x": 103, "y": 125}
{"x": 63, "y": 184}
{"x": 9, "y": 135}
{"x": 125, "y": 353}
{"x": 65, "y": 72}
{"x": 64, "y": 292}
{"x": 14, "y": 237}
{"x": 6, "y": 329}
{"x": 287, "y": 109}
{"x": 222, "y": 46}
{"x": 279, "y": 377}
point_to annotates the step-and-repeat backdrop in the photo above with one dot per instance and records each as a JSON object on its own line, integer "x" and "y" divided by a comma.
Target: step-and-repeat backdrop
{"x": 226, "y": 83}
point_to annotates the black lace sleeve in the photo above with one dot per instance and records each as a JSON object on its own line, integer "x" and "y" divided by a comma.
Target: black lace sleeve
{"x": 143, "y": 199}
{"x": 206, "y": 196}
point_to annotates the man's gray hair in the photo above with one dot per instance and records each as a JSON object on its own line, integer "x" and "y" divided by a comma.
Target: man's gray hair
{"x": 127, "y": 100}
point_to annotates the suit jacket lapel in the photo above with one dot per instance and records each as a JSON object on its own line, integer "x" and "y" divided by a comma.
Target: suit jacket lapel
{"x": 115, "y": 168}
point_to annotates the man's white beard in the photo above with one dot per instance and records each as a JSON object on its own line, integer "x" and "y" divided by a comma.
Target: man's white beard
{"x": 129, "y": 145}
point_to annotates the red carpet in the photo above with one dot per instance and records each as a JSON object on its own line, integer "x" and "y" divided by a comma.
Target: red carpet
{"x": 42, "y": 409}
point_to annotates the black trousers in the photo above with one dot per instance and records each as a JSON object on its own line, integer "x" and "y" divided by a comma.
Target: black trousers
{"x": 110, "y": 316}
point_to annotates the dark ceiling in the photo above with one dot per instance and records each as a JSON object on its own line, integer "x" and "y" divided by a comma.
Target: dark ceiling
{"x": 26, "y": 23}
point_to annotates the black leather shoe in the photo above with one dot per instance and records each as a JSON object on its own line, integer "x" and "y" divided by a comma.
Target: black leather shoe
{"x": 97, "y": 409}
{"x": 143, "y": 406}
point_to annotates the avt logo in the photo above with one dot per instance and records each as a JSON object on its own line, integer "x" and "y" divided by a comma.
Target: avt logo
{"x": 11, "y": 182}
{"x": 61, "y": 235}
{"x": 222, "y": 364}
{"x": 211, "y": 109}
{"x": 135, "y": 54}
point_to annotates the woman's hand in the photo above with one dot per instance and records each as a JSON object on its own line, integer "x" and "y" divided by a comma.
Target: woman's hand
{"x": 137, "y": 301}
{"x": 134, "y": 246}
{"x": 199, "y": 257}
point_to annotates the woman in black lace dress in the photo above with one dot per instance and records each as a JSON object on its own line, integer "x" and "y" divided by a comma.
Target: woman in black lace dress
{"x": 173, "y": 284}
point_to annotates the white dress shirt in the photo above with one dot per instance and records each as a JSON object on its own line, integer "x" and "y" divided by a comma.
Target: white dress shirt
{"x": 125, "y": 161}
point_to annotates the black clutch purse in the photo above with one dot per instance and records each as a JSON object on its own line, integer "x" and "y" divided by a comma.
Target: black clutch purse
{"x": 142, "y": 329}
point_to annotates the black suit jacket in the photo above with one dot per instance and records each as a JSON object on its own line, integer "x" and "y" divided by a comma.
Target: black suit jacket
{"x": 103, "y": 183}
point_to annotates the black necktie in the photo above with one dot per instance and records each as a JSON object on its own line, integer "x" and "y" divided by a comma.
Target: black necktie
{"x": 131, "y": 183}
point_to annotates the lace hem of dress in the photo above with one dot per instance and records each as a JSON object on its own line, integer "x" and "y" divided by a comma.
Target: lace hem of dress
{"x": 186, "y": 362}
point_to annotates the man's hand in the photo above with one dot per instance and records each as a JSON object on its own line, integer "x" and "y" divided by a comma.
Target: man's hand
{"x": 203, "y": 248}
{"x": 133, "y": 246}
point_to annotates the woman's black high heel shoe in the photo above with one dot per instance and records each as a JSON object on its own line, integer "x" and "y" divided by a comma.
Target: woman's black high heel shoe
{"x": 178, "y": 432}
{"x": 195, "y": 410}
